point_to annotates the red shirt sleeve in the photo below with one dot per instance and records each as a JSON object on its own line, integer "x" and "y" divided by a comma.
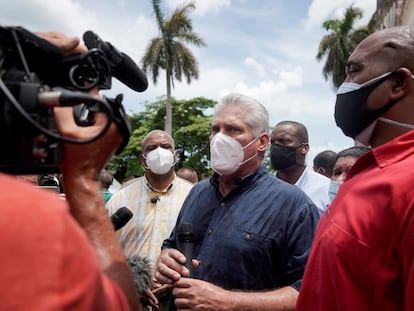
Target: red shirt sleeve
{"x": 47, "y": 261}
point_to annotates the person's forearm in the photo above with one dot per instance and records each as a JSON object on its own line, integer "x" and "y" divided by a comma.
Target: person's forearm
{"x": 87, "y": 207}
{"x": 283, "y": 299}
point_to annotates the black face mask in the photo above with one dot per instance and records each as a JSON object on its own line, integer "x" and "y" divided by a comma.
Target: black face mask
{"x": 351, "y": 113}
{"x": 282, "y": 157}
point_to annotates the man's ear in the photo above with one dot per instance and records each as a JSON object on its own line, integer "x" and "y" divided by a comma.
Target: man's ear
{"x": 176, "y": 157}
{"x": 402, "y": 83}
{"x": 264, "y": 140}
{"x": 305, "y": 148}
{"x": 142, "y": 160}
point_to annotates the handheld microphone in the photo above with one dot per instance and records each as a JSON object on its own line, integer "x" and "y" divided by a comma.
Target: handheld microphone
{"x": 185, "y": 242}
{"x": 122, "y": 66}
{"x": 121, "y": 217}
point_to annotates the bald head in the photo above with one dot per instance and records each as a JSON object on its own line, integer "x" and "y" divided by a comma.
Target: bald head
{"x": 389, "y": 48}
{"x": 157, "y": 135}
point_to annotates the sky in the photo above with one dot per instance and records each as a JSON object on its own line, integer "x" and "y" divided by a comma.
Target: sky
{"x": 263, "y": 49}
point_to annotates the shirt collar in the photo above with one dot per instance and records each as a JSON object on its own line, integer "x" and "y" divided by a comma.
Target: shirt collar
{"x": 387, "y": 154}
{"x": 153, "y": 189}
{"x": 242, "y": 182}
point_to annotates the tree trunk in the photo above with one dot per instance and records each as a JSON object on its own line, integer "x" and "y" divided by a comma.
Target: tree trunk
{"x": 168, "y": 108}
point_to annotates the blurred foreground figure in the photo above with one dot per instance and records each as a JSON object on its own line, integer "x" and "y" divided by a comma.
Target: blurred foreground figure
{"x": 63, "y": 255}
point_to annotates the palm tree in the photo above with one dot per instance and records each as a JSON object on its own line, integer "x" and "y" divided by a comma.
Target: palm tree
{"x": 169, "y": 52}
{"x": 339, "y": 44}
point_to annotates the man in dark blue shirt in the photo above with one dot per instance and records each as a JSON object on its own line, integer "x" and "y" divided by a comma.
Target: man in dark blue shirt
{"x": 252, "y": 232}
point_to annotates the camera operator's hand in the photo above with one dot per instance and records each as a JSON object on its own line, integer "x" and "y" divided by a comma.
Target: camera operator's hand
{"x": 80, "y": 167}
{"x": 68, "y": 45}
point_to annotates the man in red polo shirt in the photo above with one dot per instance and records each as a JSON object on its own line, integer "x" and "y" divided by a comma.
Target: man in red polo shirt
{"x": 362, "y": 254}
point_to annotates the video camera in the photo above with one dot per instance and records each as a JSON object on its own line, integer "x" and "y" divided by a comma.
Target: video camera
{"x": 36, "y": 76}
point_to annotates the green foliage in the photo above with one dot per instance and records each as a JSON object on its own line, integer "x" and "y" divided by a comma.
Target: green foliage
{"x": 191, "y": 128}
{"x": 337, "y": 46}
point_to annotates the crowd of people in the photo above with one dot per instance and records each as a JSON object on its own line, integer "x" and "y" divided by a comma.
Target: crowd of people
{"x": 337, "y": 236}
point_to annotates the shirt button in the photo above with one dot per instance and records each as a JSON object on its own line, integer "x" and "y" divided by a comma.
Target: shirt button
{"x": 209, "y": 231}
{"x": 222, "y": 204}
{"x": 247, "y": 237}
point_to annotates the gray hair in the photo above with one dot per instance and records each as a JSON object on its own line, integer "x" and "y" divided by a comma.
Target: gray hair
{"x": 256, "y": 114}
{"x": 144, "y": 141}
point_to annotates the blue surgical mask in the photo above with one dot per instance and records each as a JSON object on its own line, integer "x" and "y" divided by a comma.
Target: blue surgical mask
{"x": 333, "y": 188}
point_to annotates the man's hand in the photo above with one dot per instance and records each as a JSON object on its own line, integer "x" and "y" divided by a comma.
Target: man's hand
{"x": 68, "y": 45}
{"x": 193, "y": 294}
{"x": 86, "y": 159}
{"x": 80, "y": 167}
{"x": 170, "y": 266}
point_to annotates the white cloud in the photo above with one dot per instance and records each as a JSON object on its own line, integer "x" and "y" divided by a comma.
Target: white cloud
{"x": 251, "y": 62}
{"x": 292, "y": 78}
{"x": 65, "y": 16}
{"x": 203, "y": 7}
{"x": 322, "y": 10}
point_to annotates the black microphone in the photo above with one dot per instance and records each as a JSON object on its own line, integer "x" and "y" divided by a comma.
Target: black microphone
{"x": 185, "y": 242}
{"x": 122, "y": 66}
{"x": 155, "y": 199}
{"x": 121, "y": 217}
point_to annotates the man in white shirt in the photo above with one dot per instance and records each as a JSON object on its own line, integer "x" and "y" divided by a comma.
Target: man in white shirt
{"x": 290, "y": 145}
{"x": 154, "y": 199}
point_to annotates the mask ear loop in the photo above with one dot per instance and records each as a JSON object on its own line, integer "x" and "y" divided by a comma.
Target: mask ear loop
{"x": 145, "y": 159}
{"x": 176, "y": 158}
{"x": 247, "y": 160}
{"x": 396, "y": 123}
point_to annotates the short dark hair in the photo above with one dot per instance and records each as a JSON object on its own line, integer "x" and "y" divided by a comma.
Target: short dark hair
{"x": 105, "y": 179}
{"x": 325, "y": 159}
{"x": 355, "y": 152}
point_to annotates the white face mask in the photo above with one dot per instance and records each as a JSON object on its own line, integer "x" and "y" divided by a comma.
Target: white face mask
{"x": 227, "y": 154}
{"x": 159, "y": 160}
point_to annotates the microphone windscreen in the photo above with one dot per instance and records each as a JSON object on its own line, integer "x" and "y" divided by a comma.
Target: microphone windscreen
{"x": 141, "y": 272}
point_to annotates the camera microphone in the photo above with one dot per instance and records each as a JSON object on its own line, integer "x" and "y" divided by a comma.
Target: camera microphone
{"x": 185, "y": 239}
{"x": 121, "y": 217}
{"x": 122, "y": 66}
{"x": 62, "y": 97}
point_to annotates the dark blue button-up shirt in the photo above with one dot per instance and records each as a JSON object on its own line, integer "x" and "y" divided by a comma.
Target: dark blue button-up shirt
{"x": 255, "y": 238}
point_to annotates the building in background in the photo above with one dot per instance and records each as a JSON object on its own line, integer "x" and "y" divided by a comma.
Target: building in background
{"x": 391, "y": 13}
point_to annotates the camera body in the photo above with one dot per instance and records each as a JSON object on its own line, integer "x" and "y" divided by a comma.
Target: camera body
{"x": 29, "y": 67}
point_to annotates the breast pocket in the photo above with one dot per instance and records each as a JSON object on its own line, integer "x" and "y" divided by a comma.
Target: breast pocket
{"x": 243, "y": 257}
{"x": 354, "y": 265}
